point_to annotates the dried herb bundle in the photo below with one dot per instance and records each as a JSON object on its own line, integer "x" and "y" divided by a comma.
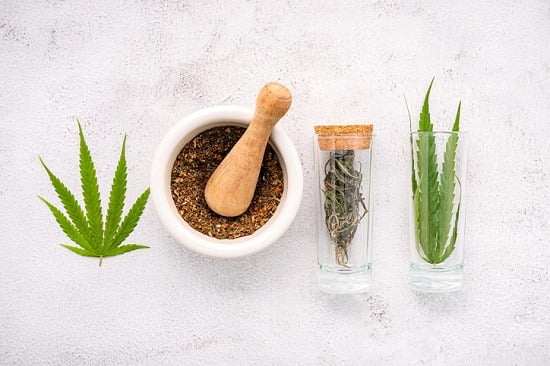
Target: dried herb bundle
{"x": 344, "y": 204}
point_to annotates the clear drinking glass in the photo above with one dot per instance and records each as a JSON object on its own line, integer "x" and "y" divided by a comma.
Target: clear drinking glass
{"x": 437, "y": 209}
{"x": 344, "y": 215}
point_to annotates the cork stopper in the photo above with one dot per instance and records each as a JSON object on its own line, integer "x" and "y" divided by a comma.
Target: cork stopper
{"x": 348, "y": 137}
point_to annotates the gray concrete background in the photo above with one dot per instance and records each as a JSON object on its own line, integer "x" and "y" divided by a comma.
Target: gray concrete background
{"x": 139, "y": 67}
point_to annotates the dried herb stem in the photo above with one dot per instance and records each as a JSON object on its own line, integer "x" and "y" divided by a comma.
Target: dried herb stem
{"x": 344, "y": 204}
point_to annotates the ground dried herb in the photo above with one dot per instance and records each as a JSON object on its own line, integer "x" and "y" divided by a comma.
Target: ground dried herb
{"x": 193, "y": 167}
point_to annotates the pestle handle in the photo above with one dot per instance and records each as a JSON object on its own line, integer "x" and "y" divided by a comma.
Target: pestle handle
{"x": 231, "y": 187}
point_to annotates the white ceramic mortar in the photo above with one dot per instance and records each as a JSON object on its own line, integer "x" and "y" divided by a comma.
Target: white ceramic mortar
{"x": 163, "y": 162}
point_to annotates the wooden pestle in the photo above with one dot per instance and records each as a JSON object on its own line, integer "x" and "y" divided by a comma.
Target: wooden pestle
{"x": 231, "y": 187}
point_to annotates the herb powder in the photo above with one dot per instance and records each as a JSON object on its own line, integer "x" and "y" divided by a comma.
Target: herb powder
{"x": 194, "y": 165}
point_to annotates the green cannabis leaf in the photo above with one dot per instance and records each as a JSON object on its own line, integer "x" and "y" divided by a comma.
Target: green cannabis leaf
{"x": 433, "y": 192}
{"x": 86, "y": 227}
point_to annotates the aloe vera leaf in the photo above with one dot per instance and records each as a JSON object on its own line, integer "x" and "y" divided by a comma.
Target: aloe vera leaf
{"x": 447, "y": 189}
{"x": 427, "y": 212}
{"x": 451, "y": 246}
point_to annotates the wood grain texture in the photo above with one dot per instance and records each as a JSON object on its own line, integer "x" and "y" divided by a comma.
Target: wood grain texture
{"x": 231, "y": 187}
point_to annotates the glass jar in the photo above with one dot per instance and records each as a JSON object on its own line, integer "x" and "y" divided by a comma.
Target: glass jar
{"x": 437, "y": 208}
{"x": 343, "y": 164}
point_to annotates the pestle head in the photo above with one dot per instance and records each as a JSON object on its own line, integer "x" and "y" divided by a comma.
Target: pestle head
{"x": 273, "y": 102}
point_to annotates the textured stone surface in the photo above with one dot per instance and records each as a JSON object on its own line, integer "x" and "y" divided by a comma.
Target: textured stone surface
{"x": 138, "y": 67}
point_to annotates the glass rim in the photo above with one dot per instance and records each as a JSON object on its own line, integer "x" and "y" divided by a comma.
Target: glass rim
{"x": 438, "y": 132}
